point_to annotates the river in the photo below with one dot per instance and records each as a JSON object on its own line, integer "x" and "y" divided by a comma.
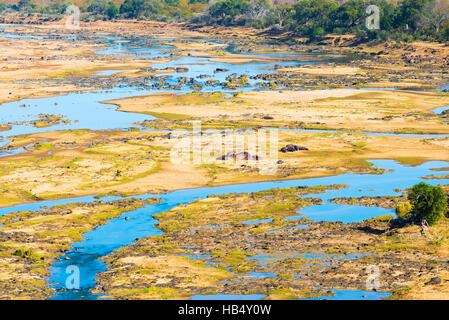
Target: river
{"x": 86, "y": 111}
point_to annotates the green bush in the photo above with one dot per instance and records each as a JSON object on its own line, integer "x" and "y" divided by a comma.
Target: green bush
{"x": 226, "y": 11}
{"x": 428, "y": 203}
{"x": 403, "y": 210}
{"x": 112, "y": 11}
{"x": 23, "y": 253}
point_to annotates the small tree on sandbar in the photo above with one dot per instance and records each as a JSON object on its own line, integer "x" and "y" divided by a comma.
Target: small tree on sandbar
{"x": 429, "y": 203}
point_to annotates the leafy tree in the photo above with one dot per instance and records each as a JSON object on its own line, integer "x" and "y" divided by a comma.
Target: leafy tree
{"x": 350, "y": 14}
{"x": 387, "y": 14}
{"x": 434, "y": 14}
{"x": 138, "y": 8}
{"x": 428, "y": 203}
{"x": 24, "y": 3}
{"x": 3, "y": 6}
{"x": 403, "y": 210}
{"x": 226, "y": 11}
{"x": 281, "y": 15}
{"x": 133, "y": 8}
{"x": 408, "y": 13}
{"x": 58, "y": 7}
{"x": 258, "y": 9}
{"x": 98, "y": 6}
{"x": 112, "y": 11}
{"x": 444, "y": 34}
{"x": 315, "y": 17}
{"x": 172, "y": 2}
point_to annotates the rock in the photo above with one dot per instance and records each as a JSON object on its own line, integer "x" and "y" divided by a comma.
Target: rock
{"x": 238, "y": 156}
{"x": 220, "y": 70}
{"x": 435, "y": 280}
{"x": 182, "y": 69}
{"x": 292, "y": 148}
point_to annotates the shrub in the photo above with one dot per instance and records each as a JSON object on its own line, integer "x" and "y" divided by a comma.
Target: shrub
{"x": 112, "y": 11}
{"x": 98, "y": 6}
{"x": 403, "y": 210}
{"x": 428, "y": 203}
{"x": 226, "y": 11}
{"x": 23, "y": 253}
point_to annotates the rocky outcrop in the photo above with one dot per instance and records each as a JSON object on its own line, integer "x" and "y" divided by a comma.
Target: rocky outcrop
{"x": 292, "y": 148}
{"x": 239, "y": 156}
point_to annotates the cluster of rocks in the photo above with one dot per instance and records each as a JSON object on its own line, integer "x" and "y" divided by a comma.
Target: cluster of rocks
{"x": 387, "y": 202}
{"x": 182, "y": 69}
{"x": 289, "y": 79}
{"x": 239, "y": 156}
{"x": 292, "y": 148}
{"x": 432, "y": 58}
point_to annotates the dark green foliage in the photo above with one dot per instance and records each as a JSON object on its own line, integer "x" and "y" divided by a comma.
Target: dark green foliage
{"x": 23, "y": 253}
{"x": 24, "y": 3}
{"x": 408, "y": 13}
{"x": 112, "y": 11}
{"x": 429, "y": 203}
{"x": 133, "y": 8}
{"x": 56, "y": 7}
{"x": 98, "y": 6}
{"x": 227, "y": 11}
{"x": 153, "y": 9}
{"x": 404, "y": 20}
{"x": 315, "y": 17}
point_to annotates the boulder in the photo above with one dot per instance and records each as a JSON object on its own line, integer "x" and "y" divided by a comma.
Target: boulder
{"x": 292, "y": 148}
{"x": 220, "y": 70}
{"x": 240, "y": 156}
{"x": 435, "y": 280}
